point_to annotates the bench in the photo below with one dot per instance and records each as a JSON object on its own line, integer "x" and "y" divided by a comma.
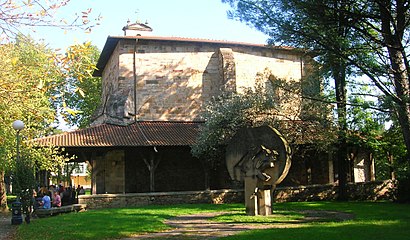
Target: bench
{"x": 41, "y": 212}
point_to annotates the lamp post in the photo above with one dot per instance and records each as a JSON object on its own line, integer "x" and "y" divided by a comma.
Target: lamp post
{"x": 18, "y": 125}
{"x": 16, "y": 218}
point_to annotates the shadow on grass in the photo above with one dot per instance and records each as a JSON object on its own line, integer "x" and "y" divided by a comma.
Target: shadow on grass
{"x": 90, "y": 225}
{"x": 320, "y": 231}
{"x": 276, "y": 217}
{"x": 111, "y": 223}
{"x": 372, "y": 220}
{"x": 286, "y": 217}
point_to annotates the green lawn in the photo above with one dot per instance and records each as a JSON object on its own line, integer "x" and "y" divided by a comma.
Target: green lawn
{"x": 111, "y": 223}
{"x": 379, "y": 220}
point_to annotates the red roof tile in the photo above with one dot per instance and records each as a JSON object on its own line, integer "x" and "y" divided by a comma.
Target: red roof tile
{"x": 155, "y": 133}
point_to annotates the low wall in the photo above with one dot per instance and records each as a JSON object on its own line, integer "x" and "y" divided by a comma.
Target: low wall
{"x": 161, "y": 198}
{"x": 367, "y": 191}
{"x": 383, "y": 190}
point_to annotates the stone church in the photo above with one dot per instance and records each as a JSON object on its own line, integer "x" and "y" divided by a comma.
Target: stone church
{"x": 154, "y": 88}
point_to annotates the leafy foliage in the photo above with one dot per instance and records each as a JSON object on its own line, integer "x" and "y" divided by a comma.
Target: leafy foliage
{"x": 31, "y": 77}
{"x": 16, "y": 15}
{"x": 30, "y": 74}
{"x": 26, "y": 74}
{"x": 368, "y": 37}
{"x": 273, "y": 101}
{"x": 392, "y": 153}
{"x": 80, "y": 93}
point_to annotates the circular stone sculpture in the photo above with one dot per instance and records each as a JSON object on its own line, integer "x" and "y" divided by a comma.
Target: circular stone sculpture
{"x": 260, "y": 157}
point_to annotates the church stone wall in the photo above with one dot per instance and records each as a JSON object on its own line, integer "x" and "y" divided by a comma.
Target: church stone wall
{"x": 250, "y": 64}
{"x": 110, "y": 93}
{"x": 108, "y": 173}
{"x": 174, "y": 79}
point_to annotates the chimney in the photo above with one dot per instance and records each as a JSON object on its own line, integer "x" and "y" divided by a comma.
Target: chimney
{"x": 137, "y": 29}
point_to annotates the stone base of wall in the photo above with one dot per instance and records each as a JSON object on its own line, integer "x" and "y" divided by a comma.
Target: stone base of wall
{"x": 381, "y": 190}
{"x": 161, "y": 198}
{"x": 367, "y": 191}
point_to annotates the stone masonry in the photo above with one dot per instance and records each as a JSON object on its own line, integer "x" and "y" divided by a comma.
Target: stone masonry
{"x": 153, "y": 78}
{"x": 173, "y": 79}
{"x": 369, "y": 191}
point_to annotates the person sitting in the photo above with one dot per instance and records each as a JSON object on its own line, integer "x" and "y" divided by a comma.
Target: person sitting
{"x": 82, "y": 191}
{"x": 66, "y": 197}
{"x": 56, "y": 200}
{"x": 52, "y": 189}
{"x": 46, "y": 201}
{"x": 73, "y": 196}
{"x": 42, "y": 191}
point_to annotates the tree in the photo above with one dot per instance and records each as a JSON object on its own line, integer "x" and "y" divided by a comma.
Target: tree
{"x": 31, "y": 88}
{"x": 387, "y": 30}
{"x": 25, "y": 80}
{"x": 31, "y": 14}
{"x": 271, "y": 102}
{"x": 321, "y": 29}
{"x": 83, "y": 104}
{"x": 377, "y": 46}
{"x": 30, "y": 78}
{"x": 366, "y": 130}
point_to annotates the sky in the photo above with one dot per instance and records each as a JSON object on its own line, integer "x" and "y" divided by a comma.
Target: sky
{"x": 172, "y": 18}
{"x": 205, "y": 19}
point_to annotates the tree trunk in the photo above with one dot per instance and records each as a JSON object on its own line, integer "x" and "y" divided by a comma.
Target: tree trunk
{"x": 401, "y": 82}
{"x": 339, "y": 75}
{"x": 392, "y": 39}
{"x": 3, "y": 193}
{"x": 403, "y": 113}
{"x": 390, "y": 157}
{"x": 342, "y": 162}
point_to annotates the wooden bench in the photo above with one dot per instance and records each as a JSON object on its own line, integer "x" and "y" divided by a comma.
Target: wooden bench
{"x": 41, "y": 212}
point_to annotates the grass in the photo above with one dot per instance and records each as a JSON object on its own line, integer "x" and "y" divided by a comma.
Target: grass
{"x": 373, "y": 220}
{"x": 277, "y": 217}
{"x": 112, "y": 223}
{"x": 380, "y": 220}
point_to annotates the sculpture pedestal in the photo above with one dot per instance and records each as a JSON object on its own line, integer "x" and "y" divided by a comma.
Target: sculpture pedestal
{"x": 257, "y": 202}
{"x": 260, "y": 157}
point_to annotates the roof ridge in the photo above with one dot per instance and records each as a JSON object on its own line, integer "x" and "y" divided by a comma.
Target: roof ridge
{"x": 168, "y": 121}
{"x": 190, "y": 39}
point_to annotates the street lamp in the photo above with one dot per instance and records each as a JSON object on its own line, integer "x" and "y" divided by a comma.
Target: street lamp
{"x": 16, "y": 218}
{"x": 18, "y": 125}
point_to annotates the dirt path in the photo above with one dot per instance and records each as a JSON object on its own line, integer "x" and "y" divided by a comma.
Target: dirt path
{"x": 198, "y": 226}
{"x": 6, "y": 229}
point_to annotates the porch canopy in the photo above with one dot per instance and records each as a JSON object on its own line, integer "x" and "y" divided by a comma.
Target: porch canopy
{"x": 138, "y": 134}
{"x": 162, "y": 133}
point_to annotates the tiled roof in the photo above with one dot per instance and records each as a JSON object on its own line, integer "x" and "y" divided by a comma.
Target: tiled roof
{"x": 155, "y": 133}
{"x": 200, "y": 40}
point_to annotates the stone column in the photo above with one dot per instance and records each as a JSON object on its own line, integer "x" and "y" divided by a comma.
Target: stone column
{"x": 251, "y": 200}
{"x": 265, "y": 202}
{"x": 257, "y": 201}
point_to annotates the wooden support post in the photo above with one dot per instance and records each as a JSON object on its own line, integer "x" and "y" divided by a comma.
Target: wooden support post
{"x": 152, "y": 166}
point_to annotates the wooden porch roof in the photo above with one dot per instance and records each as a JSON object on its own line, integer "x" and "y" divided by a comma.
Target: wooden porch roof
{"x": 146, "y": 133}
